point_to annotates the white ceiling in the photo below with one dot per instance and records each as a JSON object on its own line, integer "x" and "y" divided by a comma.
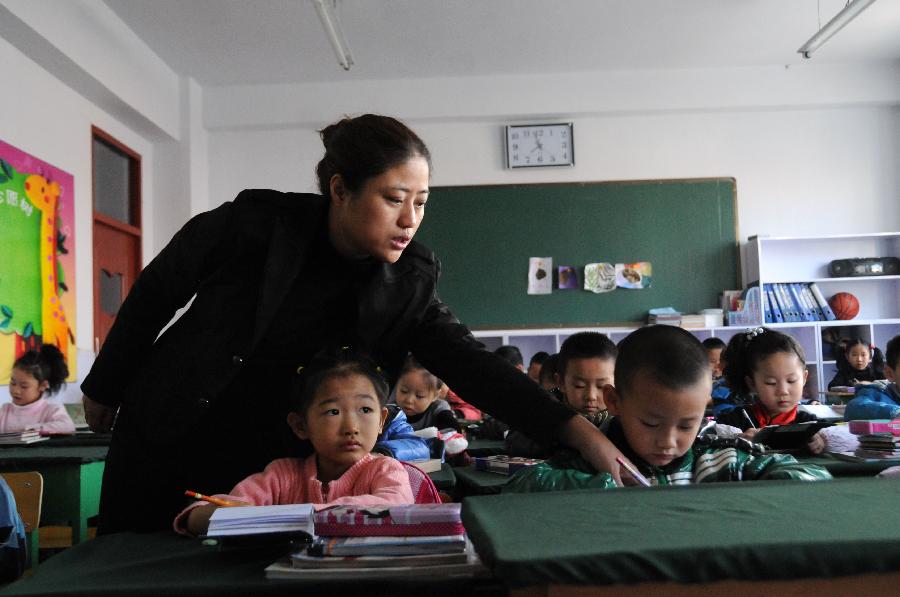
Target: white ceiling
{"x": 250, "y": 42}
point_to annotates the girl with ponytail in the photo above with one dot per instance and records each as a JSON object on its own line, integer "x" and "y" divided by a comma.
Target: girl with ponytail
{"x": 36, "y": 375}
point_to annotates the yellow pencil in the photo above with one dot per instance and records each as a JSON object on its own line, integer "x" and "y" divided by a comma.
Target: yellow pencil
{"x": 212, "y": 500}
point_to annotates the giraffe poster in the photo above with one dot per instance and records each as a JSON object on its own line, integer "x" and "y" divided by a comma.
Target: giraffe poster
{"x": 37, "y": 258}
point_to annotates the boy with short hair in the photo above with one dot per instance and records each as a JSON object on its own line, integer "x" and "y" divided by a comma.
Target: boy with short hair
{"x": 662, "y": 385}
{"x": 714, "y": 348}
{"x": 585, "y": 364}
{"x": 879, "y": 399}
{"x": 535, "y": 364}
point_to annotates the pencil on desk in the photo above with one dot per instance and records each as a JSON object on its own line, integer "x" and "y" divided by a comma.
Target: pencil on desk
{"x": 634, "y": 473}
{"x": 212, "y": 500}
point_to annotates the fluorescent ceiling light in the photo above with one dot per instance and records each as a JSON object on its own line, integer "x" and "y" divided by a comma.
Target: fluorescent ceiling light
{"x": 849, "y": 12}
{"x": 332, "y": 26}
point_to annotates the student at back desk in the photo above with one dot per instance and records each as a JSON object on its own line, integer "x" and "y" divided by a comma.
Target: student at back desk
{"x": 662, "y": 386}
{"x": 880, "y": 399}
{"x": 585, "y": 365}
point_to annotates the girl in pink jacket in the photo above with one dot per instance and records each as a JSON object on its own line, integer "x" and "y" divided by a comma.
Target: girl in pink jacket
{"x": 339, "y": 407}
{"x": 36, "y": 375}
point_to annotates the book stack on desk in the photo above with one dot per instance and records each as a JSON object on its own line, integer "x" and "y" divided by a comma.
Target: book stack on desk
{"x": 377, "y": 542}
{"x": 16, "y": 438}
{"x": 880, "y": 442}
{"x": 503, "y": 464}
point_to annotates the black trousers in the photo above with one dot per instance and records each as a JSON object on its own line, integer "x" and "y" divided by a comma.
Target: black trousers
{"x": 144, "y": 482}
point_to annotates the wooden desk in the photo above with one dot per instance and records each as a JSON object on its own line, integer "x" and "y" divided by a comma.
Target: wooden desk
{"x": 168, "y": 564}
{"x": 72, "y": 479}
{"x": 745, "y": 535}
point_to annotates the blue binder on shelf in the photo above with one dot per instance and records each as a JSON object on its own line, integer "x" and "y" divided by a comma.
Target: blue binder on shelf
{"x": 767, "y": 310}
{"x": 787, "y": 304}
{"x": 806, "y": 312}
{"x": 811, "y": 299}
{"x": 777, "y": 315}
{"x": 823, "y": 304}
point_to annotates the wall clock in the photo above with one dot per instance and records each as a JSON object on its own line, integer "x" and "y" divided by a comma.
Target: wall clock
{"x": 538, "y": 145}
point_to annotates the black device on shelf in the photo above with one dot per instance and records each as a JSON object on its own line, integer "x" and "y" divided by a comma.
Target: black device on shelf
{"x": 864, "y": 266}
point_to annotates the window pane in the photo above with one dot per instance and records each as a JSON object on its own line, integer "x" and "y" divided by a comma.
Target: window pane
{"x": 112, "y": 188}
{"x": 110, "y": 292}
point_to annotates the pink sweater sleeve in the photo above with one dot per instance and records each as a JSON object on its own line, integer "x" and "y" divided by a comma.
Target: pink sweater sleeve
{"x": 384, "y": 482}
{"x": 56, "y": 420}
{"x": 259, "y": 489}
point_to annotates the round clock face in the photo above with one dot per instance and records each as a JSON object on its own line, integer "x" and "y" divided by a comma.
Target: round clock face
{"x": 530, "y": 146}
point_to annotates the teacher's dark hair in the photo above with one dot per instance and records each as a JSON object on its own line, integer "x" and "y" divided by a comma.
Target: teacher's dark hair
{"x": 366, "y": 146}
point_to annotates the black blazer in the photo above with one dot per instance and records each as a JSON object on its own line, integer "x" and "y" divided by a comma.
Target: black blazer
{"x": 240, "y": 260}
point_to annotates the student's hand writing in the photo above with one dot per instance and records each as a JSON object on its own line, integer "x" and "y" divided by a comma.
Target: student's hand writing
{"x": 748, "y": 434}
{"x": 578, "y": 433}
{"x": 99, "y": 417}
{"x": 817, "y": 444}
{"x": 198, "y": 518}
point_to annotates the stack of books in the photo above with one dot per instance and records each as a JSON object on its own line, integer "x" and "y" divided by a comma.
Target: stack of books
{"x": 16, "y": 438}
{"x": 664, "y": 318}
{"x": 880, "y": 442}
{"x": 421, "y": 540}
{"x": 503, "y": 464}
{"x": 693, "y": 321}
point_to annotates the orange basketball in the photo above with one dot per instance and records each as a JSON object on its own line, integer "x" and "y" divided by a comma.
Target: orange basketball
{"x": 844, "y": 305}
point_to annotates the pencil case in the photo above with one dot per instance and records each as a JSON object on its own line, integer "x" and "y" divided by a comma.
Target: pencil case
{"x": 417, "y": 519}
{"x": 875, "y": 426}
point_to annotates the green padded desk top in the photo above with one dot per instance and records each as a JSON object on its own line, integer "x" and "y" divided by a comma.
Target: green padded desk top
{"x": 701, "y": 533}
{"x": 486, "y": 447}
{"x": 46, "y": 453}
{"x": 472, "y": 481}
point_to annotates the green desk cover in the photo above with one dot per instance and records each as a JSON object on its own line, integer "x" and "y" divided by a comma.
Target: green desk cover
{"x": 486, "y": 447}
{"x": 743, "y": 531}
{"x": 168, "y": 564}
{"x": 444, "y": 478}
{"x": 845, "y": 468}
{"x": 471, "y": 481}
{"x": 23, "y": 457}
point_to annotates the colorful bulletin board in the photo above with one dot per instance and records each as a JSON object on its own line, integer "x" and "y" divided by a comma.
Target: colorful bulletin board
{"x": 37, "y": 258}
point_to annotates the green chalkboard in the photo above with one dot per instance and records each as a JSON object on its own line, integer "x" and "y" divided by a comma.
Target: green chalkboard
{"x": 484, "y": 236}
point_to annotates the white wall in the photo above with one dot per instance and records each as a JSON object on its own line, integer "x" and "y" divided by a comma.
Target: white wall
{"x": 50, "y": 102}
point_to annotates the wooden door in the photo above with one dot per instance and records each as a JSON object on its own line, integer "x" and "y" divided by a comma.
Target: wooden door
{"x": 116, "y": 266}
{"x": 117, "y": 228}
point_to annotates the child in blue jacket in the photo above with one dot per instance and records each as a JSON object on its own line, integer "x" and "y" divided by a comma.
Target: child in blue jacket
{"x": 879, "y": 399}
{"x": 398, "y": 438}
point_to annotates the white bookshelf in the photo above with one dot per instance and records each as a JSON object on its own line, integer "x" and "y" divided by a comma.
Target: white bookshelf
{"x": 783, "y": 259}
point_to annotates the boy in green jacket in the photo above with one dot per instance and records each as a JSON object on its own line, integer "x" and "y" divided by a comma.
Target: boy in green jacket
{"x": 662, "y": 386}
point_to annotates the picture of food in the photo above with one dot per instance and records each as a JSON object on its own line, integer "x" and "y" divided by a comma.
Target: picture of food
{"x": 540, "y": 280}
{"x": 633, "y": 275}
{"x": 567, "y": 277}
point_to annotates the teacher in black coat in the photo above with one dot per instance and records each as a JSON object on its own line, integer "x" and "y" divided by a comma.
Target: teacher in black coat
{"x": 276, "y": 277}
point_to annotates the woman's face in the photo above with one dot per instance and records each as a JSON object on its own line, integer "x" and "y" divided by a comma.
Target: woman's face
{"x": 380, "y": 219}
{"x": 859, "y": 356}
